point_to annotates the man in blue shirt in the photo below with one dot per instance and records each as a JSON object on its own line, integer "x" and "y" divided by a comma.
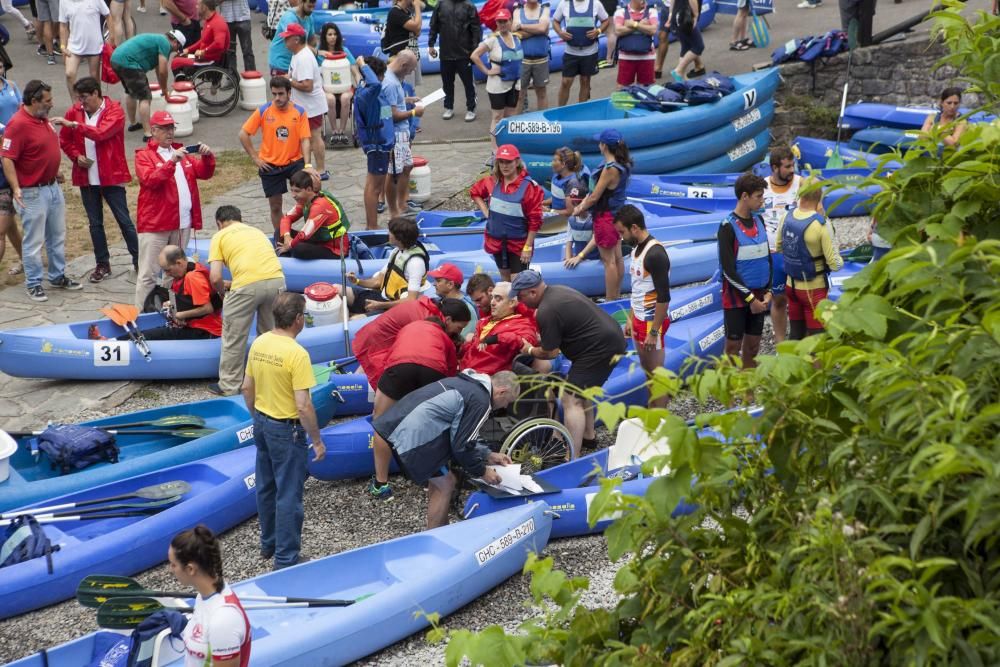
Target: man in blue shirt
{"x": 401, "y": 162}
{"x": 279, "y": 57}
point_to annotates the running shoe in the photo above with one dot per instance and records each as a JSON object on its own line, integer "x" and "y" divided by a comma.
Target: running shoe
{"x": 470, "y": 116}
{"x": 56, "y": 49}
{"x": 100, "y": 273}
{"x": 41, "y": 50}
{"x": 695, "y": 73}
{"x": 36, "y": 293}
{"x": 51, "y": 60}
{"x": 65, "y": 282}
{"x": 325, "y": 176}
{"x": 380, "y": 207}
{"x": 448, "y": 114}
{"x": 141, "y": 10}
{"x": 379, "y": 491}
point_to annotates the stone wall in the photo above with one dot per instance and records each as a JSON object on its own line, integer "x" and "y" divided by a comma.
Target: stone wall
{"x": 900, "y": 73}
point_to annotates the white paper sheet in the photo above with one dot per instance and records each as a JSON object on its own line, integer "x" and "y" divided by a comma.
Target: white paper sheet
{"x": 431, "y": 97}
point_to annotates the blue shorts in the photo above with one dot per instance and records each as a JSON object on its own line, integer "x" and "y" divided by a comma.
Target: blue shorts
{"x": 378, "y": 163}
{"x": 690, "y": 41}
{"x": 778, "y": 274}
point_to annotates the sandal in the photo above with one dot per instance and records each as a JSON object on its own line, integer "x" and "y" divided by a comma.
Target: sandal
{"x": 16, "y": 269}
{"x": 738, "y": 46}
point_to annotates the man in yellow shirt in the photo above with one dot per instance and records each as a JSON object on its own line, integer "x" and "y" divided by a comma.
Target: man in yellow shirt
{"x": 276, "y": 389}
{"x": 805, "y": 238}
{"x": 256, "y": 280}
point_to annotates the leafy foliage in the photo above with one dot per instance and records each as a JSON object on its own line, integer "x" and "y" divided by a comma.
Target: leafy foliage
{"x": 856, "y": 519}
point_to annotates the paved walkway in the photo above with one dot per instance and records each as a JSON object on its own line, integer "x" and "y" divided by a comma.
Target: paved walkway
{"x": 28, "y": 403}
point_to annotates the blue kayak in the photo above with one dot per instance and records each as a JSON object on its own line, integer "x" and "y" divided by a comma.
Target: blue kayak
{"x": 437, "y": 571}
{"x": 542, "y": 132}
{"x": 880, "y": 140}
{"x": 222, "y": 495}
{"x": 715, "y": 191}
{"x": 682, "y": 154}
{"x": 32, "y": 481}
{"x": 577, "y": 486}
{"x": 815, "y": 153}
{"x": 695, "y": 317}
{"x": 869, "y": 114}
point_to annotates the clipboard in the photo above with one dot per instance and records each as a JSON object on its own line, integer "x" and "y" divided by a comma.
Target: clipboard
{"x": 496, "y": 492}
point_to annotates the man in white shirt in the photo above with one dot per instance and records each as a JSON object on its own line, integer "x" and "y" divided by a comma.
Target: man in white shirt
{"x": 580, "y": 23}
{"x": 307, "y": 91}
{"x": 80, "y": 35}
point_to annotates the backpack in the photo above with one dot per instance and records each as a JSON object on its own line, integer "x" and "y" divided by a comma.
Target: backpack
{"x": 135, "y": 650}
{"x": 157, "y": 297}
{"x": 74, "y": 447}
{"x": 650, "y": 97}
{"x": 709, "y": 88}
{"x": 25, "y": 540}
{"x": 368, "y": 117}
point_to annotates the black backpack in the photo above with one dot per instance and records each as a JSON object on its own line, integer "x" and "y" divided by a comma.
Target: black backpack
{"x": 74, "y": 447}
{"x": 25, "y": 540}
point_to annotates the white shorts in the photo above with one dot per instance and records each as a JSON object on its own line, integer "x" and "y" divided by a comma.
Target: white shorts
{"x": 402, "y": 157}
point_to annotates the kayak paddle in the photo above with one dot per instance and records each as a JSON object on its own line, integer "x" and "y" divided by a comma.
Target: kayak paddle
{"x": 186, "y": 421}
{"x": 625, "y": 102}
{"x": 835, "y": 161}
{"x": 96, "y": 589}
{"x": 133, "y": 505}
{"x": 127, "y": 613}
{"x": 653, "y": 202}
{"x": 178, "y": 432}
{"x": 124, "y": 316}
{"x": 96, "y": 516}
{"x": 177, "y": 487}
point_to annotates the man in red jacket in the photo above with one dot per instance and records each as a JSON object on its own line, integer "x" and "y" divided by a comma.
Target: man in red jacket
{"x": 498, "y": 339}
{"x": 211, "y": 46}
{"x": 93, "y": 138}
{"x": 169, "y": 206}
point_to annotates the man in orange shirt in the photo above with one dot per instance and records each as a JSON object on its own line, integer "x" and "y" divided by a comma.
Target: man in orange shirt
{"x": 285, "y": 135}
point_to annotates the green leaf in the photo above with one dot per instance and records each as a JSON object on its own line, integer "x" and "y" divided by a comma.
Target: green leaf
{"x": 919, "y": 535}
{"x": 610, "y": 413}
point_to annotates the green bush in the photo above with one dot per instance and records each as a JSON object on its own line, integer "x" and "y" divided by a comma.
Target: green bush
{"x": 856, "y": 520}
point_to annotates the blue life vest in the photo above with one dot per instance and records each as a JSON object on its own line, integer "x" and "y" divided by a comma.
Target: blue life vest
{"x": 373, "y": 118}
{"x": 506, "y": 219}
{"x": 558, "y": 190}
{"x": 636, "y": 42}
{"x": 800, "y": 264}
{"x": 510, "y": 59}
{"x": 581, "y": 230}
{"x": 752, "y": 253}
{"x": 536, "y": 46}
{"x": 579, "y": 24}
{"x": 611, "y": 200}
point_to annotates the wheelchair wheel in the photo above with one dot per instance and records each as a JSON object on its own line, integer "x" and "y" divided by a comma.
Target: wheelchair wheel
{"x": 218, "y": 90}
{"x": 538, "y": 443}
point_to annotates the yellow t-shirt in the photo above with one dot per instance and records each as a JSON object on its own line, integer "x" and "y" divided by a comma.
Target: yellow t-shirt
{"x": 247, "y": 252}
{"x": 278, "y": 366}
{"x": 819, "y": 240}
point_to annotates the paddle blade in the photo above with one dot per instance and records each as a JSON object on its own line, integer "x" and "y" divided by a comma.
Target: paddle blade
{"x": 623, "y": 101}
{"x": 127, "y": 311}
{"x": 128, "y": 612}
{"x": 182, "y": 421}
{"x": 96, "y": 589}
{"x": 177, "y": 487}
{"x": 113, "y": 315}
{"x": 835, "y": 161}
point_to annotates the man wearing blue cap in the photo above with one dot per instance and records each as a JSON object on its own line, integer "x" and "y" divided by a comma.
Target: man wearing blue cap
{"x": 570, "y": 323}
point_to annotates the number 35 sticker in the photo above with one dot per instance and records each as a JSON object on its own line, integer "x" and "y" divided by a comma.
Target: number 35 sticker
{"x": 111, "y": 353}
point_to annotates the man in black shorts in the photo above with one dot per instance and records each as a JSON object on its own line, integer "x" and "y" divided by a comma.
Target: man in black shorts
{"x": 580, "y": 23}
{"x": 132, "y": 60}
{"x": 572, "y": 324}
{"x": 745, "y": 259}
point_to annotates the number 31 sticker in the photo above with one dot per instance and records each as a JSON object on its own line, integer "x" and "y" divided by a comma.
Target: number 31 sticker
{"x": 111, "y": 353}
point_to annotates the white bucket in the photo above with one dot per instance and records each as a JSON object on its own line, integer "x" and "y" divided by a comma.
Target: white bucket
{"x": 7, "y": 448}
{"x": 157, "y": 103}
{"x": 420, "y": 179}
{"x": 186, "y": 88}
{"x": 253, "y": 91}
{"x": 323, "y": 304}
{"x": 179, "y": 107}
{"x": 336, "y": 72}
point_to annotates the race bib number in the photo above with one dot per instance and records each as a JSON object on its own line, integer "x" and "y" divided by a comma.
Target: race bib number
{"x": 504, "y": 542}
{"x": 111, "y": 352}
{"x": 700, "y": 193}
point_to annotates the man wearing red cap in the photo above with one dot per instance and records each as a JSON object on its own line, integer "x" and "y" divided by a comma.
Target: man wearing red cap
{"x": 512, "y": 205}
{"x": 169, "y": 206}
{"x": 499, "y": 338}
{"x": 448, "y": 281}
{"x": 307, "y": 91}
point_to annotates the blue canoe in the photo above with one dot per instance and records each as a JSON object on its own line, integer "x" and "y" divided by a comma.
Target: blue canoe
{"x": 869, "y": 114}
{"x": 577, "y": 486}
{"x": 32, "y": 481}
{"x": 715, "y": 191}
{"x": 814, "y": 154}
{"x": 542, "y": 132}
{"x": 222, "y": 495}
{"x": 695, "y": 317}
{"x": 880, "y": 140}
{"x": 677, "y": 155}
{"x": 437, "y": 571}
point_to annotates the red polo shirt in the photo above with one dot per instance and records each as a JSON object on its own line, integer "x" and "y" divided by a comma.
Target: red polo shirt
{"x": 33, "y": 145}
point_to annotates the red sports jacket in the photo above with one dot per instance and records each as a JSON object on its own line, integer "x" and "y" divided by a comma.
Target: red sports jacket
{"x": 157, "y": 210}
{"x": 108, "y": 134}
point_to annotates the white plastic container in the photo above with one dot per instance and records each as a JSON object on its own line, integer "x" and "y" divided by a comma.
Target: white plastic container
{"x": 157, "y": 103}
{"x": 7, "y": 448}
{"x": 322, "y": 304}
{"x": 336, "y": 74}
{"x": 420, "y": 179}
{"x": 179, "y": 107}
{"x": 186, "y": 88}
{"x": 253, "y": 91}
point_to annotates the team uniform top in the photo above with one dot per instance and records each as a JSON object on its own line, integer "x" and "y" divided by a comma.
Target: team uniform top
{"x": 217, "y": 630}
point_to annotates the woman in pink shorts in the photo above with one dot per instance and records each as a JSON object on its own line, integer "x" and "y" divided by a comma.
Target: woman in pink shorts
{"x": 604, "y": 200}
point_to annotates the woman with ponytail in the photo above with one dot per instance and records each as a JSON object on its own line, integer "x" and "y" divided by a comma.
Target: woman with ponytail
{"x": 218, "y": 632}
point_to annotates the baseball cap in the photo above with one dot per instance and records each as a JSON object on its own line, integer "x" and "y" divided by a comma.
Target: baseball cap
{"x": 179, "y": 36}
{"x": 609, "y": 137}
{"x": 161, "y": 119}
{"x": 448, "y": 272}
{"x": 502, "y": 15}
{"x": 293, "y": 30}
{"x": 508, "y": 152}
{"x": 525, "y": 280}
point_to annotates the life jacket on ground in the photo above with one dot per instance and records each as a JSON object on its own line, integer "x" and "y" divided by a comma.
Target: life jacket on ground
{"x": 507, "y": 219}
{"x": 536, "y": 46}
{"x": 578, "y": 24}
{"x": 752, "y": 261}
{"x": 636, "y": 42}
{"x": 510, "y": 59}
{"x": 800, "y": 264}
{"x": 394, "y": 282}
{"x": 612, "y": 200}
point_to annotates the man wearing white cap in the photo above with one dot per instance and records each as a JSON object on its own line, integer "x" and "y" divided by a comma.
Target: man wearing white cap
{"x": 132, "y": 60}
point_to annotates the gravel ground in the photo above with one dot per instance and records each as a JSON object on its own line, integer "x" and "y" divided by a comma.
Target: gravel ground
{"x": 339, "y": 517}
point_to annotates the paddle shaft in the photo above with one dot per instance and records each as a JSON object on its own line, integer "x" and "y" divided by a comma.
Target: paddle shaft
{"x": 172, "y": 488}
{"x": 48, "y": 518}
{"x": 653, "y": 202}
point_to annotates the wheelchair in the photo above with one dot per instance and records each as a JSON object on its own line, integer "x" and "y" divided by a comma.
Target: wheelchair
{"x": 217, "y": 85}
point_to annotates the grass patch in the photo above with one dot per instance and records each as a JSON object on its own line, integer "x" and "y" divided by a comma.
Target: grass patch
{"x": 232, "y": 168}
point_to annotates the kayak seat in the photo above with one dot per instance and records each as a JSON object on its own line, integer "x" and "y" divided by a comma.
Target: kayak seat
{"x": 640, "y": 113}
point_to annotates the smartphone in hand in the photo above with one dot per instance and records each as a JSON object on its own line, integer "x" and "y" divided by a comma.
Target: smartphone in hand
{"x": 193, "y": 148}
